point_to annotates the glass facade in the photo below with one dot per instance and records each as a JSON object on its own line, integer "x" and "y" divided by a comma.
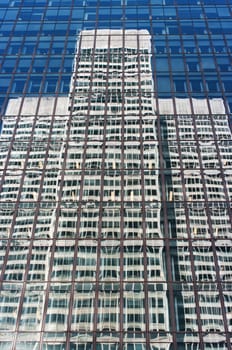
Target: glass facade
{"x": 115, "y": 194}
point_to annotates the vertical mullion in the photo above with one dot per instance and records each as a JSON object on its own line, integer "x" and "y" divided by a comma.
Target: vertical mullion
{"x": 101, "y": 204}
{"x": 121, "y": 302}
{"x": 164, "y": 200}
{"x": 166, "y": 237}
{"x": 142, "y": 169}
{"x": 71, "y": 108}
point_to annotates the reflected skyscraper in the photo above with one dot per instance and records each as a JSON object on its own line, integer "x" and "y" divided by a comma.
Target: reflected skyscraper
{"x": 115, "y": 202}
{"x": 97, "y": 238}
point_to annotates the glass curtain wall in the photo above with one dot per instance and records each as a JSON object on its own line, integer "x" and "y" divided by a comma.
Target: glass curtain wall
{"x": 115, "y": 194}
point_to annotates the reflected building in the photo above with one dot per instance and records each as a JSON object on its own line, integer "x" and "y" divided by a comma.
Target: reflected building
{"x": 198, "y": 189}
{"x": 81, "y": 204}
{"x": 116, "y": 227}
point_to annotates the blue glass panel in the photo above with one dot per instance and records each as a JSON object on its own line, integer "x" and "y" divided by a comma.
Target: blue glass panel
{"x": 226, "y": 27}
{"x": 196, "y": 85}
{"x": 18, "y": 85}
{"x": 210, "y": 12}
{"x": 208, "y": 63}
{"x": 50, "y": 85}
{"x": 34, "y": 84}
{"x": 192, "y": 64}
{"x": 4, "y": 83}
{"x": 8, "y": 65}
{"x": 162, "y": 64}
{"x": 78, "y": 13}
{"x": 24, "y": 65}
{"x": 227, "y": 84}
{"x": 223, "y": 12}
{"x": 184, "y": 13}
{"x": 11, "y": 14}
{"x": 180, "y": 85}
{"x": 212, "y": 85}
{"x": 177, "y": 64}
{"x": 163, "y": 84}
